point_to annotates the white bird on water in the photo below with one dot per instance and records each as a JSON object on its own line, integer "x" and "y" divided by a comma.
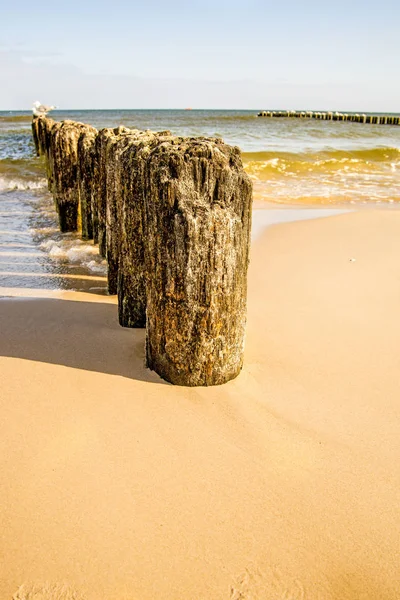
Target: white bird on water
{"x": 40, "y": 109}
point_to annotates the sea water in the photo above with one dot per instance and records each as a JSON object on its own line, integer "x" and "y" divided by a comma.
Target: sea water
{"x": 292, "y": 162}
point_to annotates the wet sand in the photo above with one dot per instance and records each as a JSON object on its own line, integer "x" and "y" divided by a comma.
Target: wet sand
{"x": 282, "y": 484}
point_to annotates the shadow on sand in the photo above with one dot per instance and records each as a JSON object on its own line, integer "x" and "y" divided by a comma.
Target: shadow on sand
{"x": 82, "y": 335}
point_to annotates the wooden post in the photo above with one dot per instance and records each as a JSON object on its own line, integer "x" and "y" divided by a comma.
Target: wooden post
{"x": 48, "y": 134}
{"x": 117, "y": 179}
{"x": 41, "y": 129}
{"x": 86, "y": 179}
{"x": 198, "y": 218}
{"x": 128, "y": 247}
{"x": 35, "y": 134}
{"x": 100, "y": 197}
{"x": 64, "y": 138}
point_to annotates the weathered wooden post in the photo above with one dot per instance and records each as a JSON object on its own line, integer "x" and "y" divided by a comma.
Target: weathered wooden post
{"x": 35, "y": 134}
{"x": 64, "y": 138}
{"x": 117, "y": 179}
{"x": 86, "y": 179}
{"x": 99, "y": 209}
{"x": 41, "y": 127}
{"x": 44, "y": 126}
{"x": 48, "y": 132}
{"x": 131, "y": 235}
{"x": 100, "y": 195}
{"x": 198, "y": 219}
{"x": 123, "y": 204}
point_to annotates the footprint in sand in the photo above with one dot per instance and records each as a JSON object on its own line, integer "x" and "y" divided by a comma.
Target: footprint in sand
{"x": 253, "y": 584}
{"x": 47, "y": 591}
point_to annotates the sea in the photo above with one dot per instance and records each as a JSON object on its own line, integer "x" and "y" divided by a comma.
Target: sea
{"x": 300, "y": 168}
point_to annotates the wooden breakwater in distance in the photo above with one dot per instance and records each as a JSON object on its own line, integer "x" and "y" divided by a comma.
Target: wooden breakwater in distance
{"x": 172, "y": 216}
{"x": 333, "y": 116}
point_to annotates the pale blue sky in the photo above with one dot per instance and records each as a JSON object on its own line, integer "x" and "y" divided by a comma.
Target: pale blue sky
{"x": 210, "y": 54}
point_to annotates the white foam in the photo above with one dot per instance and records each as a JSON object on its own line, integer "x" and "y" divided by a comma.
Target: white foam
{"x": 96, "y": 267}
{"x": 17, "y": 184}
{"x": 75, "y": 252}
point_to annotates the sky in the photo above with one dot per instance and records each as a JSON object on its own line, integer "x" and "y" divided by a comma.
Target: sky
{"x": 253, "y": 54}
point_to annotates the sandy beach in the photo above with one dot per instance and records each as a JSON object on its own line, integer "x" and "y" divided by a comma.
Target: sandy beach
{"x": 281, "y": 485}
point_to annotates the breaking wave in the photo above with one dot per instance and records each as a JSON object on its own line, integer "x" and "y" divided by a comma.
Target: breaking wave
{"x": 75, "y": 251}
{"x": 8, "y": 184}
{"x": 265, "y": 164}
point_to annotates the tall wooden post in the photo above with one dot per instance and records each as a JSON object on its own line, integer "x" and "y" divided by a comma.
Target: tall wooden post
{"x": 86, "y": 179}
{"x": 100, "y": 197}
{"x": 132, "y": 235}
{"x": 198, "y": 219}
{"x": 63, "y": 160}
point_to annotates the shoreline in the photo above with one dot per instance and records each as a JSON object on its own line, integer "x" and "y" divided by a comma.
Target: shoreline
{"x": 265, "y": 216}
{"x": 69, "y": 273}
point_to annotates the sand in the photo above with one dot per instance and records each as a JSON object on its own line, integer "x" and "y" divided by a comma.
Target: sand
{"x": 282, "y": 484}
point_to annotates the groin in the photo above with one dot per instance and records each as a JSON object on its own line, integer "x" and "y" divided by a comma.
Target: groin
{"x": 172, "y": 217}
{"x": 333, "y": 116}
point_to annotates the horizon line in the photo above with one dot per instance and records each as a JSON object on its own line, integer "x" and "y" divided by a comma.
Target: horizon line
{"x": 190, "y": 109}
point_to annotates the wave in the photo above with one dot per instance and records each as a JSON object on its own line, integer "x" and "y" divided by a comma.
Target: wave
{"x": 16, "y": 145}
{"x": 7, "y": 184}
{"x": 25, "y": 169}
{"x": 75, "y": 251}
{"x": 378, "y": 154}
{"x": 16, "y": 118}
{"x": 372, "y": 160}
{"x": 16, "y": 130}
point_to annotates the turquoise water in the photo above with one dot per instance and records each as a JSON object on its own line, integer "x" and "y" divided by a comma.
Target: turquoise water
{"x": 291, "y": 162}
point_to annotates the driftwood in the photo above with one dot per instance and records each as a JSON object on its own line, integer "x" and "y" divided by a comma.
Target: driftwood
{"x": 131, "y": 234}
{"x": 86, "y": 179}
{"x": 198, "y": 219}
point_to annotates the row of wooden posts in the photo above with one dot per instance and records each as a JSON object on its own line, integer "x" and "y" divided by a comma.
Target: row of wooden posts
{"x": 172, "y": 216}
{"x": 333, "y": 116}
